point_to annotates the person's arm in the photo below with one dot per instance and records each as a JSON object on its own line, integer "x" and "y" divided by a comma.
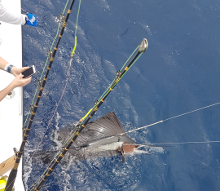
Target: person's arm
{"x": 14, "y": 70}
{"x": 3, "y": 63}
{"x": 17, "y": 82}
{"x": 5, "y": 92}
{"x": 17, "y": 19}
{"x": 12, "y": 18}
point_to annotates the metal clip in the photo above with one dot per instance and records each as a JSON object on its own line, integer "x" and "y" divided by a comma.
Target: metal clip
{"x": 15, "y": 151}
{"x": 31, "y": 108}
{"x": 49, "y": 53}
{"x": 39, "y": 83}
{"x": 62, "y": 18}
{"x": 96, "y": 102}
{"x": 118, "y": 73}
{"x": 78, "y": 127}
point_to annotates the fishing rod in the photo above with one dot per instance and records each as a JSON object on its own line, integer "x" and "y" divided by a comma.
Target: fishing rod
{"x": 13, "y": 173}
{"x": 142, "y": 48}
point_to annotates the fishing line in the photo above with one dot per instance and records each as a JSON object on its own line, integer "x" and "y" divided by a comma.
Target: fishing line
{"x": 104, "y": 94}
{"x": 67, "y": 77}
{"x": 111, "y": 84}
{"x": 206, "y": 142}
{"x": 173, "y": 143}
{"x": 70, "y": 137}
{"x": 107, "y": 91}
{"x": 174, "y": 117}
{"x": 57, "y": 105}
{"x": 45, "y": 64}
{"x": 63, "y": 91}
{"x": 142, "y": 48}
{"x": 184, "y": 143}
{"x": 24, "y": 11}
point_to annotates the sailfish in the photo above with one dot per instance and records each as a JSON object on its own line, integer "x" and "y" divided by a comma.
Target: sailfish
{"x": 101, "y": 138}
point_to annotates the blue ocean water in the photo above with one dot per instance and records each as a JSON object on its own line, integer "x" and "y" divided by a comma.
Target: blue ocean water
{"x": 178, "y": 73}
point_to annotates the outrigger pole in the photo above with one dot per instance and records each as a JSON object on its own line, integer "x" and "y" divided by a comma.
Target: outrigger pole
{"x": 143, "y": 46}
{"x": 13, "y": 173}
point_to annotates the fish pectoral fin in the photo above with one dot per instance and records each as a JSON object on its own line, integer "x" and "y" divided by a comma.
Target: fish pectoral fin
{"x": 122, "y": 157}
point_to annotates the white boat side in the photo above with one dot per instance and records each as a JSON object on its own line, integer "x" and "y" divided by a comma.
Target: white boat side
{"x": 11, "y": 110}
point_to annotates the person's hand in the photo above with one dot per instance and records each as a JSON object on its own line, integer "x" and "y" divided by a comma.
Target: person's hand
{"x": 17, "y": 71}
{"x": 19, "y": 81}
{"x": 31, "y": 20}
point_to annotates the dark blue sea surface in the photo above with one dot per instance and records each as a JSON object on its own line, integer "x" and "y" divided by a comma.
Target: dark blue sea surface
{"x": 178, "y": 73}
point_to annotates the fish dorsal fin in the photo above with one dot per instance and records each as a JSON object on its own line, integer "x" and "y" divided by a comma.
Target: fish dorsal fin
{"x": 106, "y": 126}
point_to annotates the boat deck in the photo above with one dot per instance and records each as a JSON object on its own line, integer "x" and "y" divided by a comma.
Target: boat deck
{"x": 11, "y": 110}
